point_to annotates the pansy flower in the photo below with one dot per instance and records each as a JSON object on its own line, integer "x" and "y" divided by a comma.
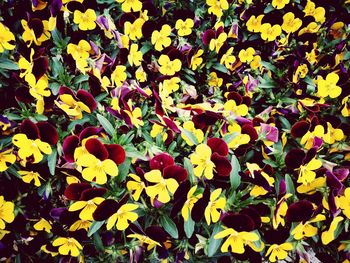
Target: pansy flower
{"x": 68, "y": 246}
{"x": 6, "y": 158}
{"x": 6, "y": 212}
{"x": 35, "y": 30}
{"x": 128, "y": 5}
{"x": 254, "y": 23}
{"x": 184, "y": 28}
{"x": 192, "y": 198}
{"x": 6, "y": 38}
{"x": 167, "y": 66}
{"x": 216, "y": 7}
{"x": 34, "y": 140}
{"x": 215, "y": 204}
{"x": 74, "y": 104}
{"x": 85, "y": 20}
{"x": 328, "y": 87}
{"x": 161, "y": 39}
{"x": 201, "y": 158}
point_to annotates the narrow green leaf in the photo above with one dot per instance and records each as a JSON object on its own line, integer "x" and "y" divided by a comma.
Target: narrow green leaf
{"x": 189, "y": 227}
{"x": 189, "y": 167}
{"x": 289, "y": 184}
{"x": 190, "y": 136}
{"x": 235, "y": 178}
{"x": 169, "y": 226}
{"x": 229, "y": 137}
{"x": 98, "y": 242}
{"x": 220, "y": 68}
{"x": 52, "y": 161}
{"x": 123, "y": 170}
{"x": 8, "y": 64}
{"x": 105, "y": 124}
{"x": 214, "y": 244}
{"x": 95, "y": 226}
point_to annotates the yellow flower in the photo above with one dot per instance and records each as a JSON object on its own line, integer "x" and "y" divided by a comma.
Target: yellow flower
{"x": 216, "y": 7}
{"x": 137, "y": 186}
{"x": 124, "y": 214}
{"x": 184, "y": 28}
{"x": 308, "y": 138}
{"x": 128, "y": 5}
{"x": 135, "y": 56}
{"x": 201, "y": 158}
{"x": 246, "y": 55}
{"x": 28, "y": 176}
{"x": 198, "y": 133}
{"x": 254, "y": 23}
{"x": 279, "y": 4}
{"x": 333, "y": 135}
{"x": 216, "y": 203}
{"x": 72, "y": 107}
{"x": 217, "y": 43}
{"x": 160, "y": 39}
{"x": 344, "y": 203}
{"x": 118, "y": 76}
{"x": 256, "y": 62}
{"x": 228, "y": 59}
{"x": 145, "y": 239}
{"x": 5, "y": 37}
{"x": 28, "y": 147}
{"x": 307, "y": 171}
{"x": 290, "y": 23}
{"x": 67, "y": 246}
{"x": 191, "y": 200}
{"x": 231, "y": 107}
{"x": 85, "y": 21}
{"x": 318, "y": 13}
{"x": 280, "y": 212}
{"x": 313, "y": 186}
{"x": 43, "y": 225}
{"x": 269, "y": 32}
{"x": 134, "y": 30}
{"x": 80, "y": 51}
{"x": 167, "y": 66}
{"x": 29, "y": 35}
{"x": 87, "y": 207}
{"x": 196, "y": 59}
{"x": 305, "y": 229}
{"x": 300, "y": 73}
{"x": 6, "y": 212}
{"x": 6, "y": 158}
{"x": 135, "y": 116}
{"x": 80, "y": 224}
{"x": 328, "y": 235}
{"x": 162, "y": 186}
{"x": 328, "y": 87}
{"x": 171, "y": 85}
{"x": 236, "y": 240}
{"x": 214, "y": 80}
{"x": 279, "y": 252}
{"x": 96, "y": 170}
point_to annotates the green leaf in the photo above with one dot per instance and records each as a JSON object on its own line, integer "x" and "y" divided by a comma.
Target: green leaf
{"x": 235, "y": 178}
{"x": 189, "y": 227}
{"x": 105, "y": 124}
{"x": 289, "y": 184}
{"x": 169, "y": 226}
{"x": 190, "y": 136}
{"x": 189, "y": 167}
{"x": 220, "y": 67}
{"x": 52, "y": 161}
{"x": 96, "y": 225}
{"x": 123, "y": 170}
{"x": 98, "y": 242}
{"x": 214, "y": 244}
{"x": 8, "y": 64}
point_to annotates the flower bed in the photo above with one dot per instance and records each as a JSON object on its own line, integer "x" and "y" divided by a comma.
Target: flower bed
{"x": 174, "y": 131}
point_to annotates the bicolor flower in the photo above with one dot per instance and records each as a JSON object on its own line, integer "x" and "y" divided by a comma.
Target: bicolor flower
{"x": 196, "y": 59}
{"x": 306, "y": 229}
{"x": 329, "y": 235}
{"x": 145, "y": 240}
{"x": 130, "y": 5}
{"x": 87, "y": 207}
{"x": 28, "y": 176}
{"x": 307, "y": 171}
{"x": 43, "y": 225}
